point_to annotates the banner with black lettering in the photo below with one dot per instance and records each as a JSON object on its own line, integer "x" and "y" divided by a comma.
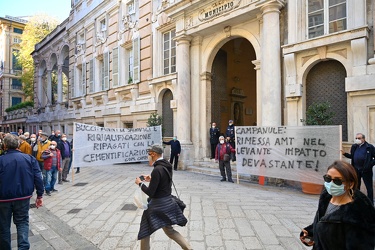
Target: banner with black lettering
{"x": 293, "y": 153}
{"x": 95, "y": 146}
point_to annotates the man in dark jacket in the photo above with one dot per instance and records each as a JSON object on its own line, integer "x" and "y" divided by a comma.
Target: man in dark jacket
{"x": 66, "y": 153}
{"x": 362, "y": 154}
{"x": 20, "y": 173}
{"x": 214, "y": 138}
{"x": 175, "y": 151}
{"x": 230, "y": 134}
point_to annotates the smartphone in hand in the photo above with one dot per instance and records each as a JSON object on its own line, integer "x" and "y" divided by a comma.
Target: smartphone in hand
{"x": 142, "y": 178}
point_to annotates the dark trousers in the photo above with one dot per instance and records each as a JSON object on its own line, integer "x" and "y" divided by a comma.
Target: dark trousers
{"x": 367, "y": 179}
{"x": 225, "y": 166}
{"x": 213, "y": 148}
{"x": 174, "y": 158}
{"x": 20, "y": 212}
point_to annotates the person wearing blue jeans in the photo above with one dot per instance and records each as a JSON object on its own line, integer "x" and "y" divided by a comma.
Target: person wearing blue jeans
{"x": 52, "y": 165}
{"x": 20, "y": 212}
{"x": 51, "y": 177}
{"x": 20, "y": 175}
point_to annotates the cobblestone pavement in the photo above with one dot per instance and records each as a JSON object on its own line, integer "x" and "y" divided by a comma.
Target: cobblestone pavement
{"x": 96, "y": 211}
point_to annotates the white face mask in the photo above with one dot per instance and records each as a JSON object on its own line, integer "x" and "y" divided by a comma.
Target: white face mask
{"x": 230, "y": 124}
{"x": 64, "y": 138}
{"x": 213, "y": 126}
{"x": 221, "y": 141}
{"x": 358, "y": 141}
{"x": 52, "y": 147}
{"x": 32, "y": 139}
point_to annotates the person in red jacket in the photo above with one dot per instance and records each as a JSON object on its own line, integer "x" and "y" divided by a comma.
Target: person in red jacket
{"x": 222, "y": 155}
{"x": 52, "y": 165}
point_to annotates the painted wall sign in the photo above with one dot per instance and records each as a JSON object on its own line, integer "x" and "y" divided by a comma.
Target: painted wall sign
{"x": 98, "y": 146}
{"x": 300, "y": 153}
{"x": 218, "y": 8}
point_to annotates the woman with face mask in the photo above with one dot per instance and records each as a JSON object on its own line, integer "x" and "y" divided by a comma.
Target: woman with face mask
{"x": 345, "y": 218}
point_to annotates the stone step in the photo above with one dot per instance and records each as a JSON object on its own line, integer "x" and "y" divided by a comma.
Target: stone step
{"x": 213, "y": 170}
{"x": 209, "y": 167}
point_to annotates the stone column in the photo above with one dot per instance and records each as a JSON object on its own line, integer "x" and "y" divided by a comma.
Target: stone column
{"x": 271, "y": 70}
{"x": 49, "y": 87}
{"x": 183, "y": 99}
{"x": 40, "y": 90}
{"x": 59, "y": 84}
{"x": 183, "y": 90}
{"x": 205, "y": 101}
{"x": 259, "y": 91}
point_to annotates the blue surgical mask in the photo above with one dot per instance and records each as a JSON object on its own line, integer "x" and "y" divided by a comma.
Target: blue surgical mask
{"x": 333, "y": 189}
{"x": 174, "y": 138}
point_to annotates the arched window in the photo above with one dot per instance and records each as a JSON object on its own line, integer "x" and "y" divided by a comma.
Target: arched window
{"x": 326, "y": 82}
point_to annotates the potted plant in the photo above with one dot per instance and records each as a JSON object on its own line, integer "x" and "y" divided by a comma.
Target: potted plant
{"x": 317, "y": 114}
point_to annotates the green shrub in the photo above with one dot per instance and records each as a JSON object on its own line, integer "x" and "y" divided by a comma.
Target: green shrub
{"x": 319, "y": 114}
{"x": 20, "y": 106}
{"x": 154, "y": 120}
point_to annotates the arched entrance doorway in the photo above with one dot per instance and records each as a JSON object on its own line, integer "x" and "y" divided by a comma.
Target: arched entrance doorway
{"x": 167, "y": 114}
{"x": 326, "y": 82}
{"x": 233, "y": 92}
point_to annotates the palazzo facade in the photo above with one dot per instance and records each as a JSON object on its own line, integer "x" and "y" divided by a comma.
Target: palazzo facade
{"x": 258, "y": 62}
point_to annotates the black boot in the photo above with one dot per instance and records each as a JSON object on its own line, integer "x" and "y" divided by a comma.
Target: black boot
{"x": 223, "y": 179}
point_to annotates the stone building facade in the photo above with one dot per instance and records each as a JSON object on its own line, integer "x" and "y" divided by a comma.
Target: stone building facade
{"x": 11, "y": 29}
{"x": 258, "y": 62}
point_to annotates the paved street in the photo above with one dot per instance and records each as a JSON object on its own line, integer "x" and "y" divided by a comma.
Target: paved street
{"x": 96, "y": 211}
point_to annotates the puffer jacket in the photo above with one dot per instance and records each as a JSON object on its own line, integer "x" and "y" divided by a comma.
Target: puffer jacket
{"x": 48, "y": 159}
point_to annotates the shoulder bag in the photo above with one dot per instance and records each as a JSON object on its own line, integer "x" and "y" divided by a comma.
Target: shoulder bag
{"x": 177, "y": 199}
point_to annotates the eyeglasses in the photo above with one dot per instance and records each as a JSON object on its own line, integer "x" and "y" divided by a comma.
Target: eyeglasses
{"x": 337, "y": 181}
{"x": 358, "y": 138}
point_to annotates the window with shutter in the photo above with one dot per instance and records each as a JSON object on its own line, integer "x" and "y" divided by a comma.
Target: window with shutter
{"x": 106, "y": 71}
{"x": 326, "y": 17}
{"x": 169, "y": 52}
{"x": 91, "y": 76}
{"x": 72, "y": 86}
{"x": 83, "y": 83}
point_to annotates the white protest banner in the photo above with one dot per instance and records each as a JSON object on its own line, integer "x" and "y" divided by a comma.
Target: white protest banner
{"x": 95, "y": 146}
{"x": 292, "y": 153}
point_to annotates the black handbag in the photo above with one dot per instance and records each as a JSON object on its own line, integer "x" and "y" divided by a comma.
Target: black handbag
{"x": 177, "y": 199}
{"x": 179, "y": 202}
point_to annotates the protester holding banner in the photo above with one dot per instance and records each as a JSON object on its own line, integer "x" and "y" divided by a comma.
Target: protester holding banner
{"x": 175, "y": 151}
{"x": 222, "y": 155}
{"x": 362, "y": 154}
{"x": 345, "y": 218}
{"x": 162, "y": 211}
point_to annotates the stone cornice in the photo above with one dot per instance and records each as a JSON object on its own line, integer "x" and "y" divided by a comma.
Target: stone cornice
{"x": 343, "y": 36}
